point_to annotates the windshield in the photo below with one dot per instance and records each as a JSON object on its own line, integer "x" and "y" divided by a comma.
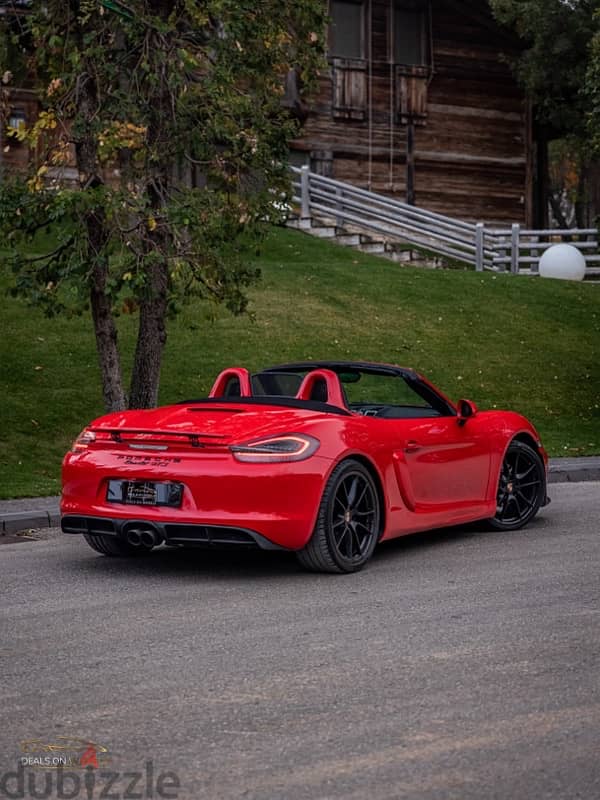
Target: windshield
{"x": 367, "y": 392}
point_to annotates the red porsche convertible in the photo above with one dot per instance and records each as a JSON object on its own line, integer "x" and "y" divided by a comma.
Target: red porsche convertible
{"x": 322, "y": 459}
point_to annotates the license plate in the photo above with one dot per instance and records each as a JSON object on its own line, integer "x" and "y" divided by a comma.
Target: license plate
{"x": 144, "y": 493}
{"x": 140, "y": 494}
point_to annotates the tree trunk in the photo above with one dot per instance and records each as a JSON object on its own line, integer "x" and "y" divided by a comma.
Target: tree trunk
{"x": 104, "y": 323}
{"x": 86, "y": 151}
{"x": 152, "y": 336}
{"x": 557, "y": 210}
{"x": 594, "y": 194}
{"x": 582, "y": 202}
{"x": 152, "y": 331}
{"x": 542, "y": 187}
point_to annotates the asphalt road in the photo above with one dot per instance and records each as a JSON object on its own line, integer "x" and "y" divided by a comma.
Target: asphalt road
{"x": 461, "y": 664}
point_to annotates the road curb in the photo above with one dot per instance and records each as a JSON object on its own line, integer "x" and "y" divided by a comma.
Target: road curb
{"x": 576, "y": 475}
{"x": 574, "y": 470}
{"x": 44, "y": 511}
{"x": 14, "y": 521}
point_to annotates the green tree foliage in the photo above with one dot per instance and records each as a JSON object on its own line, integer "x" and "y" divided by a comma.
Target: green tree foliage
{"x": 553, "y": 63}
{"x": 592, "y": 89}
{"x": 559, "y": 67}
{"x": 172, "y": 113}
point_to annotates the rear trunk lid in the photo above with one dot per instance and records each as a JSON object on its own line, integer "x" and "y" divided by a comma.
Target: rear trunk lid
{"x": 214, "y": 426}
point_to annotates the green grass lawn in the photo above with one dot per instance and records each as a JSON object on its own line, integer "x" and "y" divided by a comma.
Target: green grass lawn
{"x": 503, "y": 341}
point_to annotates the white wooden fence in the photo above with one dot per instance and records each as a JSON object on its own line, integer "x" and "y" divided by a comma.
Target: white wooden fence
{"x": 514, "y": 249}
{"x": 519, "y": 249}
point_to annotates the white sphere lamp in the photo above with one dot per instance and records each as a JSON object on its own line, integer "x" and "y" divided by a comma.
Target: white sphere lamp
{"x": 563, "y": 261}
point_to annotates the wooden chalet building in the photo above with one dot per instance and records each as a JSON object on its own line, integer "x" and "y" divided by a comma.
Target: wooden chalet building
{"x": 419, "y": 102}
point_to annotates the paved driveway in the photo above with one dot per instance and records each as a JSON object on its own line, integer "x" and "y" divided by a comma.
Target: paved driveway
{"x": 461, "y": 664}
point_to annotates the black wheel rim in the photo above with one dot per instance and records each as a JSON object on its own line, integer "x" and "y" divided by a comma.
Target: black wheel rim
{"x": 519, "y": 487}
{"x": 354, "y": 517}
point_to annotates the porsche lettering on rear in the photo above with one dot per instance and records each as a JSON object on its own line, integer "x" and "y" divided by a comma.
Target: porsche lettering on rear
{"x": 147, "y": 460}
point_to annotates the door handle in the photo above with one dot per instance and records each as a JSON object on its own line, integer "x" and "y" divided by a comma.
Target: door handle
{"x": 412, "y": 447}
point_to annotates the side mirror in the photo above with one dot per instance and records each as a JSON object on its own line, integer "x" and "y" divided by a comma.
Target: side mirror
{"x": 466, "y": 409}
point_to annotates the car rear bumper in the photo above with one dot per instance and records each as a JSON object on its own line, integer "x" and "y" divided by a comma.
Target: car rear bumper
{"x": 171, "y": 533}
{"x": 273, "y": 503}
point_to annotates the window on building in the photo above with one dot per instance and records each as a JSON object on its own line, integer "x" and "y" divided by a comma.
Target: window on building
{"x": 17, "y": 119}
{"x": 349, "y": 89}
{"x": 298, "y": 158}
{"x": 321, "y": 162}
{"x": 346, "y": 32}
{"x": 411, "y": 33}
{"x": 347, "y": 57}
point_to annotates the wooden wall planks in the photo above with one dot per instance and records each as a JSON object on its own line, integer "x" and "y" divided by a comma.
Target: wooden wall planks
{"x": 472, "y": 151}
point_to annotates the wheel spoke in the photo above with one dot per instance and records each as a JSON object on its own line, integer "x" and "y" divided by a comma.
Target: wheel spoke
{"x": 338, "y": 499}
{"x": 524, "y": 474}
{"x": 354, "y": 543}
{"x": 343, "y": 498}
{"x": 364, "y": 527}
{"x": 362, "y": 494}
{"x": 351, "y": 495}
{"x": 529, "y": 502}
{"x": 509, "y": 499}
{"x": 528, "y": 485}
{"x": 339, "y": 539}
{"x": 351, "y": 538}
{"x": 516, "y": 499}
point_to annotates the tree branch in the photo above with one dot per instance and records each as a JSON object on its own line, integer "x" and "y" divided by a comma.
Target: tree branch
{"x": 51, "y": 256}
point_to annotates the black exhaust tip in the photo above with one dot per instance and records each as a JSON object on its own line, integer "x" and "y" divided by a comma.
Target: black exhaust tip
{"x": 134, "y": 537}
{"x": 142, "y": 534}
{"x": 149, "y": 538}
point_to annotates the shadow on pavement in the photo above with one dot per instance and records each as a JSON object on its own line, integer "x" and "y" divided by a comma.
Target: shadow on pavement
{"x": 258, "y": 564}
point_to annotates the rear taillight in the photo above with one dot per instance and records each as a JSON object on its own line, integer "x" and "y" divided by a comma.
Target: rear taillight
{"x": 289, "y": 447}
{"x": 82, "y": 442}
{"x": 88, "y": 437}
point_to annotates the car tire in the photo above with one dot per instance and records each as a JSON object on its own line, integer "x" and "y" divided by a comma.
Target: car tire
{"x": 348, "y": 522}
{"x": 113, "y": 546}
{"x": 521, "y": 487}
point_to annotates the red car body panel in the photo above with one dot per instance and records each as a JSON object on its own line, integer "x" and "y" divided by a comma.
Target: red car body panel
{"x": 431, "y": 472}
{"x": 279, "y": 501}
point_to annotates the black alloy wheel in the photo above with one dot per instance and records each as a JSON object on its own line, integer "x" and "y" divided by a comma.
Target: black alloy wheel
{"x": 521, "y": 488}
{"x": 348, "y": 522}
